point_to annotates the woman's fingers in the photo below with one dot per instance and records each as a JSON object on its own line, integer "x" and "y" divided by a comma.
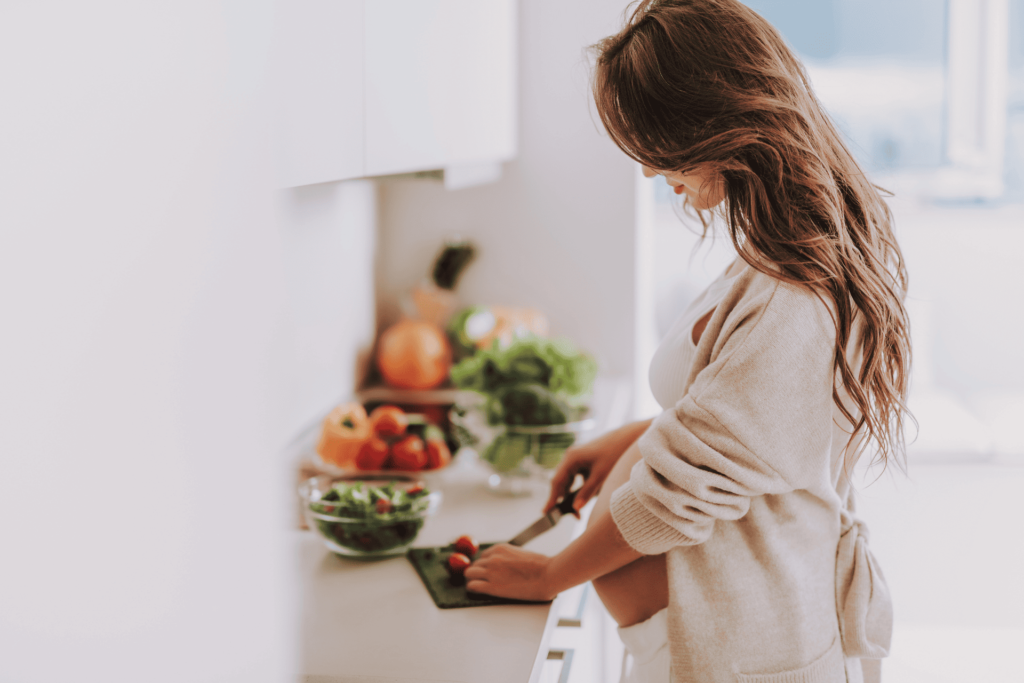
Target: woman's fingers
{"x": 561, "y": 480}
{"x": 476, "y": 576}
{"x": 589, "y": 489}
{"x": 552, "y": 497}
{"x": 592, "y": 486}
{"x": 475, "y": 571}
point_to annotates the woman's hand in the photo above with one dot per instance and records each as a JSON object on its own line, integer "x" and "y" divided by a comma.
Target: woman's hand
{"x": 509, "y": 572}
{"x": 594, "y": 460}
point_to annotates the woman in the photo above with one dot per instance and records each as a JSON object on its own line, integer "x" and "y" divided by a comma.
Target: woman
{"x": 723, "y": 539}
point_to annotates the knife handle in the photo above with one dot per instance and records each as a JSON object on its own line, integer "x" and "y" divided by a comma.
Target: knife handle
{"x": 565, "y": 505}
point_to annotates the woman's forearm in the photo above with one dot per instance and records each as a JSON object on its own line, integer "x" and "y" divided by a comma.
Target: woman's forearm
{"x": 514, "y": 572}
{"x": 597, "y": 551}
{"x": 600, "y": 549}
{"x": 627, "y": 434}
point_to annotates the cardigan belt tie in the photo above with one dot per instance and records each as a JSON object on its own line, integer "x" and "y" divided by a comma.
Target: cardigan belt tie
{"x": 862, "y": 596}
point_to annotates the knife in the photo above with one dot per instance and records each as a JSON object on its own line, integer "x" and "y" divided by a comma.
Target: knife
{"x": 547, "y": 521}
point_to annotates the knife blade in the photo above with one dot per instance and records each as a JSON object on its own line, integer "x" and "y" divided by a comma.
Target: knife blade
{"x": 549, "y": 520}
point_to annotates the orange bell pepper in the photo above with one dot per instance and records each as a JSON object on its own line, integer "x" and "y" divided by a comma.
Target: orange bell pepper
{"x": 345, "y": 430}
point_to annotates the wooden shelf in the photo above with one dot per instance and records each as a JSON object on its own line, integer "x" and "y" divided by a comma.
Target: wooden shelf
{"x": 385, "y": 394}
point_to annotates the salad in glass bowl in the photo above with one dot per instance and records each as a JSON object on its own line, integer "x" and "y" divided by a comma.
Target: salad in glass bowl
{"x": 367, "y": 515}
{"x": 529, "y": 403}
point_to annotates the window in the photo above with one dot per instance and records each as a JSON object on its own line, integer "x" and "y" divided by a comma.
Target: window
{"x": 929, "y": 95}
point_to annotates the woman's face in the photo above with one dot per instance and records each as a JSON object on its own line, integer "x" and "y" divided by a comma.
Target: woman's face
{"x": 705, "y": 191}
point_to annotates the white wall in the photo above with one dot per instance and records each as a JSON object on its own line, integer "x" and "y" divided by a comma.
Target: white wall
{"x": 329, "y": 234}
{"x": 159, "y": 302}
{"x": 557, "y": 231}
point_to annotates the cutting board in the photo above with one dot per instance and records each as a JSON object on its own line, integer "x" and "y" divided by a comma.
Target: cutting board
{"x": 429, "y": 564}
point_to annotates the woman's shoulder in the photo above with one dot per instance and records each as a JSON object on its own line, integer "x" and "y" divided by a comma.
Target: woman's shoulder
{"x": 780, "y": 310}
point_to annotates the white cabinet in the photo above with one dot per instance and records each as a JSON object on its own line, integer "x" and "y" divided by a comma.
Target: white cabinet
{"x": 377, "y": 88}
{"x": 440, "y": 83}
{"x": 585, "y": 646}
{"x": 319, "y": 76}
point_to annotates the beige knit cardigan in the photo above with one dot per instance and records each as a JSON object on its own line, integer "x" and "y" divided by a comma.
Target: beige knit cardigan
{"x": 742, "y": 484}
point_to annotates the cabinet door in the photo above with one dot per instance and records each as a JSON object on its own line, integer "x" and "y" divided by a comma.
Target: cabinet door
{"x": 320, "y": 75}
{"x": 479, "y": 82}
{"x": 440, "y": 83}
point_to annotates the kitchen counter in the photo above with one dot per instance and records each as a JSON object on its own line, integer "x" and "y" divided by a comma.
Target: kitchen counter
{"x": 376, "y": 619}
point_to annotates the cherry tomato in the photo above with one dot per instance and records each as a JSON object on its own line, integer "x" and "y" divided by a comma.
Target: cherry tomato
{"x": 435, "y": 414}
{"x": 388, "y": 421}
{"x": 457, "y": 563}
{"x": 383, "y": 506}
{"x": 416, "y": 489}
{"x": 438, "y": 454}
{"x": 372, "y": 454}
{"x": 409, "y": 454}
{"x": 467, "y": 546}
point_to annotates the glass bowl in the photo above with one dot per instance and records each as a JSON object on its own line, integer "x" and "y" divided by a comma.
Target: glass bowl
{"x": 522, "y": 457}
{"x": 370, "y": 534}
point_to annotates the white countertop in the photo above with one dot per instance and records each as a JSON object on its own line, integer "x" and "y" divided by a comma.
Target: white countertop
{"x": 376, "y": 618}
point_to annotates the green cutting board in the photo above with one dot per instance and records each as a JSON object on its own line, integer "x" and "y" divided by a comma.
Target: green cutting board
{"x": 429, "y": 564}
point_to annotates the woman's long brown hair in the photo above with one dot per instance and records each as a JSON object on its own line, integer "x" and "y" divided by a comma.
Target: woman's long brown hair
{"x": 710, "y": 85}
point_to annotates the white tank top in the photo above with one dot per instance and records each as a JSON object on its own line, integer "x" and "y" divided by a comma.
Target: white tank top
{"x": 670, "y": 366}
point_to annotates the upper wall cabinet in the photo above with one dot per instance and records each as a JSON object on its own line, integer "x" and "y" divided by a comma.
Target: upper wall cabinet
{"x": 378, "y": 87}
{"x": 320, "y": 65}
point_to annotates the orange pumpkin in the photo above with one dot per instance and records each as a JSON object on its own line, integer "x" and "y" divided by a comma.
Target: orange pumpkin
{"x": 414, "y": 354}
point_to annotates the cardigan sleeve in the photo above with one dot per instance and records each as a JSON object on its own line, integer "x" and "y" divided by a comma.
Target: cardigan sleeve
{"x": 756, "y": 420}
